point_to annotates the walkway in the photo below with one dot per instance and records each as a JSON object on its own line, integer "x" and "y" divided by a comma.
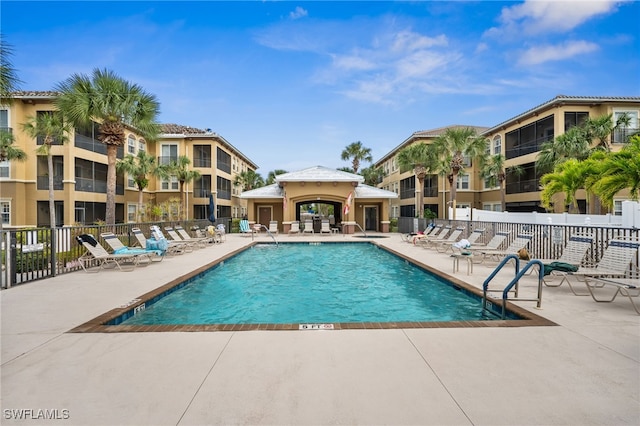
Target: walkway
{"x": 584, "y": 371}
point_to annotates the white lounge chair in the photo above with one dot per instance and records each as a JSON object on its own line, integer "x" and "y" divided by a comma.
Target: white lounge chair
{"x": 97, "y": 254}
{"x": 273, "y": 227}
{"x": 118, "y": 248}
{"x": 521, "y": 241}
{"x": 573, "y": 253}
{"x": 308, "y": 227}
{"x": 203, "y": 241}
{"x": 295, "y": 228}
{"x": 616, "y": 263}
{"x": 176, "y": 239}
{"x": 325, "y": 227}
{"x": 437, "y": 243}
{"x": 445, "y": 246}
{"x": 627, "y": 287}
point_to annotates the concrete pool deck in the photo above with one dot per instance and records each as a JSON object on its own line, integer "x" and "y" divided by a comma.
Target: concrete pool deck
{"x": 584, "y": 371}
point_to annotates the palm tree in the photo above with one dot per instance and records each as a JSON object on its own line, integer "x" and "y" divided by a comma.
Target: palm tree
{"x": 180, "y": 169}
{"x": 114, "y": 103}
{"x": 421, "y": 158}
{"x": 139, "y": 167}
{"x": 8, "y": 151}
{"x": 620, "y": 170}
{"x": 574, "y": 143}
{"x": 248, "y": 180}
{"x": 271, "y": 177}
{"x": 9, "y": 80}
{"x": 357, "y": 153}
{"x": 567, "y": 178}
{"x": 493, "y": 171}
{"x": 451, "y": 148}
{"x": 51, "y": 127}
{"x": 373, "y": 175}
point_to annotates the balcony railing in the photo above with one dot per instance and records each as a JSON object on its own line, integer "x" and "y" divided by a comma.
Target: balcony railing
{"x": 525, "y": 148}
{"x": 531, "y": 185}
{"x": 225, "y": 167}
{"x": 201, "y": 192}
{"x": 202, "y": 162}
{"x": 167, "y": 160}
{"x": 43, "y": 183}
{"x": 622, "y": 135}
{"x": 99, "y": 186}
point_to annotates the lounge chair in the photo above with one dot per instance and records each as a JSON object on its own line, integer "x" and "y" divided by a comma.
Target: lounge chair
{"x": 436, "y": 243}
{"x": 273, "y": 227}
{"x": 415, "y": 237}
{"x": 150, "y": 244}
{"x": 521, "y": 241}
{"x": 173, "y": 247}
{"x": 434, "y": 232}
{"x": 438, "y": 235}
{"x": 615, "y": 263}
{"x": 245, "y": 228}
{"x": 445, "y": 246}
{"x": 176, "y": 239}
{"x": 573, "y": 253}
{"x": 325, "y": 227}
{"x": 96, "y": 253}
{"x": 493, "y": 244}
{"x": 308, "y": 227}
{"x": 628, "y": 287}
{"x": 118, "y": 248}
{"x": 203, "y": 241}
{"x": 211, "y": 234}
{"x": 295, "y": 228}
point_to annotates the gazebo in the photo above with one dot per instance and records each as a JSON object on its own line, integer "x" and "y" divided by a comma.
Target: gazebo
{"x": 321, "y": 193}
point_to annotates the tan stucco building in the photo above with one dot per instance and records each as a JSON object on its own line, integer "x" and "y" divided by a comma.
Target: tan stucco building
{"x": 320, "y": 192}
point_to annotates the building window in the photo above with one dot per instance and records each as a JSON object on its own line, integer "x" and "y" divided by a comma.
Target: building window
{"x": 497, "y": 145}
{"x": 142, "y": 145}
{"x": 5, "y": 212}
{"x": 202, "y": 156}
{"x": 132, "y": 212}
{"x": 223, "y": 160}
{"x": 529, "y": 138}
{"x": 617, "y": 207}
{"x": 4, "y": 169}
{"x": 202, "y": 187}
{"x": 131, "y": 183}
{"x": 623, "y": 131}
{"x": 408, "y": 188}
{"x": 224, "y": 188}
{"x": 171, "y": 184}
{"x": 131, "y": 145}
{"x": 494, "y": 207}
{"x": 463, "y": 182}
{"x": 168, "y": 154}
{"x": 573, "y": 119}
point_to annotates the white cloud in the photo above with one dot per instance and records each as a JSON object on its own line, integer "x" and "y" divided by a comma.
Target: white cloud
{"x": 298, "y": 13}
{"x": 542, "y": 16}
{"x": 541, "y": 54}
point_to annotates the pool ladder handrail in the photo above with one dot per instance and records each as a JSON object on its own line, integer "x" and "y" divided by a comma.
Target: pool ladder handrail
{"x": 514, "y": 282}
{"x": 358, "y": 225}
{"x": 268, "y": 232}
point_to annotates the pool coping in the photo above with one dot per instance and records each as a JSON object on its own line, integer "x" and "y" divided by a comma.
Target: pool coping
{"x": 99, "y": 323}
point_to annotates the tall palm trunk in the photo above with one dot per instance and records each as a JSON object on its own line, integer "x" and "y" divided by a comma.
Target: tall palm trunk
{"x": 112, "y": 151}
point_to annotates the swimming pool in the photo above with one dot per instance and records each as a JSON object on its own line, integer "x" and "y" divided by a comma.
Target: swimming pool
{"x": 349, "y": 285}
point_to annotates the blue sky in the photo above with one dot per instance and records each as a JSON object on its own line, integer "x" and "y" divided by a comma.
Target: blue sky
{"x": 290, "y": 84}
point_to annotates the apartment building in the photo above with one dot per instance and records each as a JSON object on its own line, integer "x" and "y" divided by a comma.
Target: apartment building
{"x": 80, "y": 172}
{"x": 519, "y": 139}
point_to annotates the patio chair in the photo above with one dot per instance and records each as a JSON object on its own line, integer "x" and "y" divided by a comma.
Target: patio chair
{"x": 203, "y": 241}
{"x": 573, "y": 254}
{"x": 98, "y": 254}
{"x": 494, "y": 243}
{"x": 308, "y": 227}
{"x": 273, "y": 227}
{"x": 152, "y": 244}
{"x": 175, "y": 239}
{"x": 116, "y": 245}
{"x": 438, "y": 235}
{"x": 627, "y": 287}
{"x": 210, "y": 234}
{"x": 295, "y": 228}
{"x": 325, "y": 227}
{"x": 436, "y": 243}
{"x": 245, "y": 229}
{"x": 521, "y": 241}
{"x": 616, "y": 263}
{"x": 415, "y": 237}
{"x": 173, "y": 247}
{"x": 445, "y": 246}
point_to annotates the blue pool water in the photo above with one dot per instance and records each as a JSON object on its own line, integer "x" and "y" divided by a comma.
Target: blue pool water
{"x": 312, "y": 283}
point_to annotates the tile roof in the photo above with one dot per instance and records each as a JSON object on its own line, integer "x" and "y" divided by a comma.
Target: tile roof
{"x": 319, "y": 174}
{"x": 178, "y": 129}
{"x": 34, "y": 94}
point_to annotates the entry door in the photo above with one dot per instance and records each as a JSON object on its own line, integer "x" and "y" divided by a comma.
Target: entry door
{"x": 264, "y": 215}
{"x": 371, "y": 218}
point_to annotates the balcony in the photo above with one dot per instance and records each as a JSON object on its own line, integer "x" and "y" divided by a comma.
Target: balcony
{"x": 43, "y": 183}
{"x": 167, "y": 160}
{"x": 99, "y": 186}
{"x": 531, "y": 185}
{"x": 621, "y": 136}
{"x": 202, "y": 162}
